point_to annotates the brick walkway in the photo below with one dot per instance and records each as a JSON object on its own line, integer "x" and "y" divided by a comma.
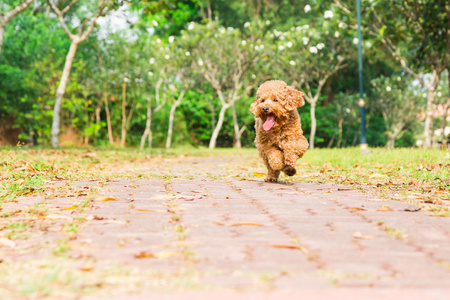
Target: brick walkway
{"x": 238, "y": 239}
{"x": 288, "y": 238}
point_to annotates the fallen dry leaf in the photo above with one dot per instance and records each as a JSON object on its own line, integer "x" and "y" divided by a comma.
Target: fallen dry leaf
{"x": 88, "y": 266}
{"x": 384, "y": 209}
{"x": 69, "y": 207}
{"x": 359, "y": 235}
{"x": 145, "y": 209}
{"x": 295, "y": 247}
{"x": 162, "y": 254}
{"x": 108, "y": 199}
{"x": 239, "y": 224}
{"x": 377, "y": 176}
{"x": 56, "y": 217}
{"x": 357, "y": 208}
{"x": 246, "y": 224}
{"x": 257, "y": 174}
{"x": 412, "y": 209}
{"x": 346, "y": 189}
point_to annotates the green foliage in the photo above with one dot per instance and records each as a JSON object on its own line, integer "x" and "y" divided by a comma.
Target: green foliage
{"x": 295, "y": 41}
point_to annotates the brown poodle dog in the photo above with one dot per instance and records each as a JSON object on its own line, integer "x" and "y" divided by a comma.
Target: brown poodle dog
{"x": 279, "y": 136}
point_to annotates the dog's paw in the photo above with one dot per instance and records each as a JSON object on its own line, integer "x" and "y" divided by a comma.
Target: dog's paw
{"x": 289, "y": 171}
{"x": 270, "y": 179}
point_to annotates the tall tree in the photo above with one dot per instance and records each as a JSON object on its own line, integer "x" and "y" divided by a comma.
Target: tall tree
{"x": 398, "y": 101}
{"x": 83, "y": 32}
{"x": 6, "y": 17}
{"x": 416, "y": 34}
{"x": 223, "y": 58}
{"x": 311, "y": 54}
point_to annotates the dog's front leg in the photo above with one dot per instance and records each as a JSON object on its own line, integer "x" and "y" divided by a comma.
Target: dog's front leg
{"x": 290, "y": 158}
{"x": 273, "y": 159}
{"x": 293, "y": 150}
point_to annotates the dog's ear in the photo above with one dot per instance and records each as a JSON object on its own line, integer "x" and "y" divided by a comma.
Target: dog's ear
{"x": 294, "y": 98}
{"x": 253, "y": 106}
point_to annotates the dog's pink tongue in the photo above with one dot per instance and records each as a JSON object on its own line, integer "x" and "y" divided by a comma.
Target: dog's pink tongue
{"x": 269, "y": 122}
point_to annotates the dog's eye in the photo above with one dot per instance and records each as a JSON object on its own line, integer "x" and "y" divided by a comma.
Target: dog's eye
{"x": 275, "y": 100}
{"x": 262, "y": 101}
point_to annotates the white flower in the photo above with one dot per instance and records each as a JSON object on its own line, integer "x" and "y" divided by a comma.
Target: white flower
{"x": 126, "y": 79}
{"x": 292, "y": 63}
{"x": 280, "y": 47}
{"x": 328, "y": 14}
{"x": 246, "y": 24}
{"x": 388, "y": 89}
{"x": 171, "y": 38}
{"x": 298, "y": 28}
{"x": 150, "y": 74}
{"x": 243, "y": 43}
{"x": 187, "y": 53}
{"x": 200, "y": 62}
{"x": 253, "y": 76}
{"x": 230, "y": 28}
{"x": 256, "y": 48}
{"x": 399, "y": 78}
{"x": 167, "y": 56}
{"x": 306, "y": 26}
{"x": 158, "y": 41}
{"x": 305, "y": 40}
{"x": 267, "y": 22}
{"x": 271, "y": 35}
{"x": 152, "y": 61}
{"x": 347, "y": 110}
{"x": 307, "y": 8}
{"x": 424, "y": 95}
{"x": 355, "y": 41}
{"x": 368, "y": 44}
{"x": 320, "y": 46}
{"x": 342, "y": 25}
{"x": 313, "y": 49}
{"x": 261, "y": 47}
{"x": 276, "y": 32}
{"x": 281, "y": 37}
{"x": 191, "y": 26}
{"x": 439, "y": 94}
{"x": 155, "y": 23}
{"x": 336, "y": 34}
{"x": 289, "y": 44}
{"x": 222, "y": 30}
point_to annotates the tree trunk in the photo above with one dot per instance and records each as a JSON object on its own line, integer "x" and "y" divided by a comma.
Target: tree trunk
{"x": 215, "y": 134}
{"x": 60, "y": 92}
{"x": 172, "y": 117}
{"x": 444, "y": 122}
{"x": 108, "y": 118}
{"x": 237, "y": 133}
{"x": 148, "y": 124}
{"x": 429, "y": 115}
{"x": 2, "y": 34}
{"x": 124, "y": 115}
{"x": 313, "y": 125}
{"x": 330, "y": 143}
{"x": 340, "y": 133}
{"x": 391, "y": 141}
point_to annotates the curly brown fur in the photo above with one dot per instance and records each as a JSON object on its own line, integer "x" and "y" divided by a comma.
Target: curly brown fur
{"x": 279, "y": 136}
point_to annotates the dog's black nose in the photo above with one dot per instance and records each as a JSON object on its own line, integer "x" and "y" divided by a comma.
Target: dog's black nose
{"x": 265, "y": 109}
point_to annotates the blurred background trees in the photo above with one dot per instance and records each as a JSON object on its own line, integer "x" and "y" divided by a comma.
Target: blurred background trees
{"x": 168, "y": 73}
